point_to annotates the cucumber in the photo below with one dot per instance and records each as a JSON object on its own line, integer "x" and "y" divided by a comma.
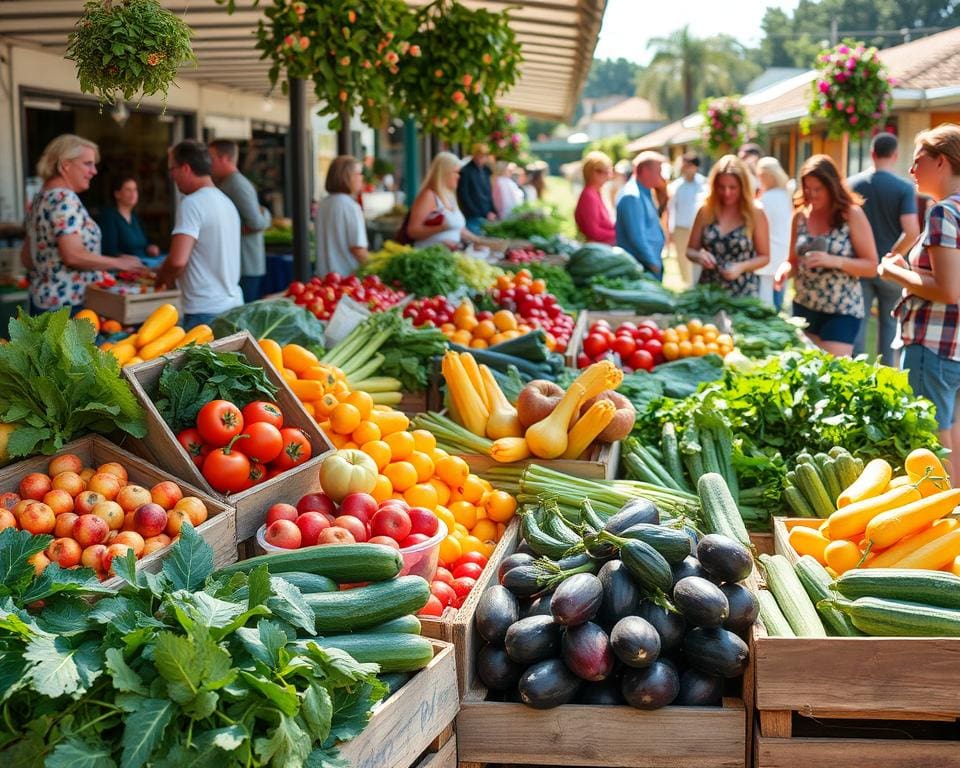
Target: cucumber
{"x": 405, "y": 625}
{"x": 816, "y": 581}
{"x": 846, "y": 469}
{"x": 310, "y": 582}
{"x": 393, "y": 652}
{"x": 539, "y": 540}
{"x": 831, "y": 478}
{"x": 356, "y": 609}
{"x": 792, "y": 597}
{"x": 798, "y": 502}
{"x": 344, "y": 563}
{"x": 936, "y": 588}
{"x": 899, "y": 618}
{"x": 673, "y": 544}
{"x": 772, "y": 617}
{"x": 810, "y": 484}
{"x": 670, "y": 447}
{"x": 647, "y": 566}
{"x": 553, "y": 525}
{"x": 720, "y": 512}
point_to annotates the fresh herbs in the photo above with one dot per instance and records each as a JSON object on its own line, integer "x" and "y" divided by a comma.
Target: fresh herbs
{"x": 178, "y": 668}
{"x": 526, "y": 221}
{"x": 280, "y": 320}
{"x": 205, "y": 375}
{"x": 57, "y": 385}
{"x": 428, "y": 271}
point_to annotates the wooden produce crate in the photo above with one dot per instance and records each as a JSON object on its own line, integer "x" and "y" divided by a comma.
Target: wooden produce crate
{"x": 161, "y": 445}
{"x": 456, "y": 625}
{"x": 602, "y": 462}
{"x": 130, "y": 308}
{"x": 416, "y": 719}
{"x": 884, "y": 702}
{"x": 219, "y": 530}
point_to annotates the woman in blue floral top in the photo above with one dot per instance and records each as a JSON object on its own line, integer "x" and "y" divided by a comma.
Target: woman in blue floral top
{"x": 831, "y": 248}
{"x": 62, "y": 250}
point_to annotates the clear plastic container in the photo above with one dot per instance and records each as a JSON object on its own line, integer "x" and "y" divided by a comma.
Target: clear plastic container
{"x": 418, "y": 560}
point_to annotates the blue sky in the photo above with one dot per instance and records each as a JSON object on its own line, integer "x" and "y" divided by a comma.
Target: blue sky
{"x": 629, "y": 24}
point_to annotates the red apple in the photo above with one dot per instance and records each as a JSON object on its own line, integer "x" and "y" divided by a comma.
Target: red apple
{"x": 65, "y": 552}
{"x": 64, "y": 524}
{"x": 413, "y": 539}
{"x": 311, "y": 525}
{"x": 150, "y": 520}
{"x": 116, "y": 469}
{"x": 423, "y": 520}
{"x": 38, "y": 518}
{"x": 284, "y": 534}
{"x": 336, "y": 535}
{"x": 133, "y": 496}
{"x": 356, "y": 526}
{"x": 385, "y": 540}
{"x": 66, "y": 462}
{"x": 59, "y": 501}
{"x": 166, "y": 493}
{"x": 90, "y": 529}
{"x": 86, "y": 501}
{"x": 359, "y": 505}
{"x": 391, "y": 521}
{"x": 317, "y": 502}
{"x": 282, "y": 511}
{"x": 92, "y": 556}
{"x": 35, "y": 486}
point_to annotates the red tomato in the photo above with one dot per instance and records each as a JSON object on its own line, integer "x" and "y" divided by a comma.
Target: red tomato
{"x": 258, "y": 473}
{"x": 595, "y": 345}
{"x": 624, "y": 346}
{"x": 296, "y": 449}
{"x": 261, "y": 410}
{"x": 443, "y": 575}
{"x": 641, "y": 359}
{"x": 471, "y": 557}
{"x": 443, "y": 592}
{"x": 295, "y": 288}
{"x": 193, "y": 444}
{"x": 218, "y": 422}
{"x": 627, "y": 326}
{"x": 227, "y": 470}
{"x": 655, "y": 348}
{"x": 651, "y": 324}
{"x": 644, "y": 333}
{"x": 463, "y": 585}
{"x": 261, "y": 441}
{"x": 470, "y": 570}
{"x": 433, "y": 607}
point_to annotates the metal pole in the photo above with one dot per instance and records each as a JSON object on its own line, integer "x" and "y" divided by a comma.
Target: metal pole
{"x": 411, "y": 159}
{"x": 300, "y": 165}
{"x": 343, "y": 135}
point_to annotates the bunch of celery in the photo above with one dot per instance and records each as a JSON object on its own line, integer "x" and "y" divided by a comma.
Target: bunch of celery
{"x": 452, "y": 437}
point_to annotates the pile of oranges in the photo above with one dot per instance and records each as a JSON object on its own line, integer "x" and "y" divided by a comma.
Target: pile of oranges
{"x": 483, "y": 329}
{"x": 695, "y": 339}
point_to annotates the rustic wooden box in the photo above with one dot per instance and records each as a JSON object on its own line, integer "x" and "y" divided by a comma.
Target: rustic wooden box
{"x": 131, "y": 308}
{"x": 161, "y": 446}
{"x": 602, "y": 463}
{"x": 417, "y": 716}
{"x": 219, "y": 530}
{"x": 456, "y": 626}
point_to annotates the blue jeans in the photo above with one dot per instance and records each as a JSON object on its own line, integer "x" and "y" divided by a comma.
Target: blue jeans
{"x": 778, "y": 298}
{"x": 475, "y": 224}
{"x": 250, "y": 285}
{"x": 886, "y": 294}
{"x": 200, "y": 318}
{"x": 935, "y": 378}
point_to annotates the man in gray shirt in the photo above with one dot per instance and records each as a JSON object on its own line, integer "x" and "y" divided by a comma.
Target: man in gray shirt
{"x": 891, "y": 207}
{"x": 254, "y": 218}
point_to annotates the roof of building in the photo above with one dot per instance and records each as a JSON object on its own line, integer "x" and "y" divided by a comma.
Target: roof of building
{"x": 631, "y": 110}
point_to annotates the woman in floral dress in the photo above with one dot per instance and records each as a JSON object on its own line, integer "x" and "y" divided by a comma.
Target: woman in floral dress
{"x": 62, "y": 249}
{"x": 831, "y": 248}
{"x": 730, "y": 237}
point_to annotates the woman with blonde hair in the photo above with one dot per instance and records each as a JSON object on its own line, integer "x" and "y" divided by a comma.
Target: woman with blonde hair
{"x": 62, "y": 248}
{"x": 435, "y": 216}
{"x": 591, "y": 213}
{"x": 730, "y": 237}
{"x": 778, "y": 208}
{"x": 831, "y": 248}
{"x": 929, "y": 314}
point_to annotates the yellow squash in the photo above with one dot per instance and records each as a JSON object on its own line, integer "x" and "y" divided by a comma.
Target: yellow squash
{"x": 548, "y": 437}
{"x": 588, "y": 426}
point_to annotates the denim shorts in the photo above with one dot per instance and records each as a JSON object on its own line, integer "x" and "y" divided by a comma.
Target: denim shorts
{"x": 935, "y": 378}
{"x": 827, "y": 326}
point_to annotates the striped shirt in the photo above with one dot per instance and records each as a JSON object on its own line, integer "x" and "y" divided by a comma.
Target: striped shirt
{"x": 928, "y": 323}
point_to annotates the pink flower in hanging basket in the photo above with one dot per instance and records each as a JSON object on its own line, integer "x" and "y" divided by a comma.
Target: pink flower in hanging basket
{"x": 843, "y": 49}
{"x": 854, "y": 120}
{"x": 823, "y": 86}
{"x": 415, "y": 51}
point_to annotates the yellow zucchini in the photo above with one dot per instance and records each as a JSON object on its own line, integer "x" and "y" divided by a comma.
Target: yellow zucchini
{"x": 160, "y": 321}
{"x": 888, "y": 557}
{"x": 935, "y": 555}
{"x": 872, "y": 481}
{"x": 926, "y": 470}
{"x": 852, "y": 520}
{"x": 887, "y": 528}
{"x": 199, "y": 334}
{"x": 808, "y": 541}
{"x": 163, "y": 344}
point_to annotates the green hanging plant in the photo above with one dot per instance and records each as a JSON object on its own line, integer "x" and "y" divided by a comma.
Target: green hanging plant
{"x": 127, "y": 47}
{"x": 853, "y": 91}
{"x": 724, "y": 124}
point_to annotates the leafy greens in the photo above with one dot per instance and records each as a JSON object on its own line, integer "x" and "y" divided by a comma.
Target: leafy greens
{"x": 280, "y": 320}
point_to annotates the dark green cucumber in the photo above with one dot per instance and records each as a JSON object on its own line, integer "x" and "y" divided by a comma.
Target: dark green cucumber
{"x": 936, "y": 588}
{"x": 670, "y": 447}
{"x": 720, "y": 512}
{"x": 810, "y": 483}
{"x": 307, "y": 583}
{"x": 352, "y": 610}
{"x": 647, "y": 566}
{"x": 405, "y": 625}
{"x": 344, "y": 563}
{"x": 816, "y": 581}
{"x": 798, "y": 502}
{"x": 831, "y": 478}
{"x": 539, "y": 540}
{"x": 393, "y": 652}
{"x": 899, "y": 618}
{"x": 554, "y": 525}
{"x": 673, "y": 544}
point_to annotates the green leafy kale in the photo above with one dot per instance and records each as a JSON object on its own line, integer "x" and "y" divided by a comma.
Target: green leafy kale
{"x": 408, "y": 353}
{"x": 280, "y": 320}
{"x": 428, "y": 271}
{"x": 57, "y": 385}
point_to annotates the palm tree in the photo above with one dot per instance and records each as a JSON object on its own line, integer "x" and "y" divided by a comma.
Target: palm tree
{"x": 685, "y": 69}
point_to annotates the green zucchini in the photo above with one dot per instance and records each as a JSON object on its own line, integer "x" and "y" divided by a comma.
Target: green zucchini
{"x": 936, "y": 588}
{"x": 638, "y": 470}
{"x": 554, "y": 525}
{"x": 307, "y": 583}
{"x": 809, "y": 482}
{"x": 692, "y": 452}
{"x": 589, "y": 516}
{"x": 847, "y": 470}
{"x": 792, "y": 597}
{"x": 647, "y": 566}
{"x": 720, "y": 512}
{"x": 837, "y": 451}
{"x": 393, "y": 652}
{"x": 831, "y": 479}
{"x": 816, "y": 581}
{"x": 772, "y": 617}
{"x": 670, "y": 447}
{"x": 539, "y": 540}
{"x": 405, "y": 625}
{"x": 797, "y": 502}
{"x": 898, "y": 618}
{"x": 356, "y": 609}
{"x": 344, "y": 563}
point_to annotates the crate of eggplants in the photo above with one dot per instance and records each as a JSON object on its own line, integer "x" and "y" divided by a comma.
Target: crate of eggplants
{"x": 639, "y": 612}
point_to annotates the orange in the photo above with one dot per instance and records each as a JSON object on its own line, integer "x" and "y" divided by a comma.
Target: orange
{"x": 350, "y": 445}
{"x": 524, "y": 274}
{"x": 436, "y": 454}
{"x": 450, "y": 550}
{"x": 497, "y": 338}
{"x": 366, "y": 432}
{"x": 505, "y": 320}
{"x": 713, "y": 347}
{"x": 709, "y": 335}
{"x": 90, "y": 316}
{"x": 501, "y": 529}
{"x": 362, "y": 401}
{"x": 464, "y": 513}
{"x": 401, "y": 474}
{"x": 345, "y": 418}
{"x": 694, "y": 325}
{"x": 500, "y": 506}
{"x": 682, "y": 333}
{"x": 466, "y": 322}
{"x": 445, "y": 516}
{"x": 511, "y": 334}
{"x": 401, "y": 444}
{"x": 379, "y": 451}
{"x": 478, "y": 344}
{"x": 447, "y": 329}
{"x": 111, "y": 326}
{"x": 710, "y": 327}
{"x": 538, "y": 286}
{"x": 421, "y": 495}
{"x": 382, "y": 490}
{"x": 725, "y": 340}
{"x": 461, "y": 337}
{"x": 472, "y": 489}
{"x": 443, "y": 492}
{"x": 484, "y": 530}
{"x": 452, "y": 470}
{"x": 670, "y": 334}
{"x": 423, "y": 464}
{"x": 699, "y": 350}
{"x": 460, "y": 530}
{"x": 686, "y": 348}
{"x": 423, "y": 440}
{"x": 671, "y": 350}
{"x": 338, "y": 441}
{"x": 484, "y": 330}
{"x": 487, "y": 547}
{"x": 389, "y": 420}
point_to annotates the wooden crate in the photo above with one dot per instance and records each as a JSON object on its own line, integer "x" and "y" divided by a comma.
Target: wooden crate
{"x": 416, "y": 719}
{"x": 456, "y": 626}
{"x": 161, "y": 445}
{"x": 219, "y": 530}
{"x": 130, "y": 308}
{"x": 445, "y": 756}
{"x": 602, "y": 462}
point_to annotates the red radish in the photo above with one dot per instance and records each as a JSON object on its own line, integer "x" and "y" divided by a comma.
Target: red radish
{"x": 282, "y": 511}
{"x": 284, "y": 534}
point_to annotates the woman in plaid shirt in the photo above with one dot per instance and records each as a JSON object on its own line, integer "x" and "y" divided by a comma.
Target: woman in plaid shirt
{"x": 930, "y": 276}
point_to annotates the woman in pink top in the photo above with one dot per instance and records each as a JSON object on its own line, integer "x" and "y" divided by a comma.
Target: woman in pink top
{"x": 591, "y": 214}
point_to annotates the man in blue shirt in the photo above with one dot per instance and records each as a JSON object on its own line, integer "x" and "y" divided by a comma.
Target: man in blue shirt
{"x": 474, "y": 191}
{"x": 638, "y": 218}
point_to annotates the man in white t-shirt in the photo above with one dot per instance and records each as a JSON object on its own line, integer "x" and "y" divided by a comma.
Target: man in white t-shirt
{"x": 686, "y": 194}
{"x": 204, "y": 258}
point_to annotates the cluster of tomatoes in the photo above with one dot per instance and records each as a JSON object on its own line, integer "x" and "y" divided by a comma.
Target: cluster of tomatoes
{"x": 525, "y": 255}
{"x": 450, "y": 586}
{"x": 322, "y": 294}
{"x": 434, "y": 311}
{"x": 534, "y": 305}
{"x": 639, "y": 346}
{"x": 235, "y": 450}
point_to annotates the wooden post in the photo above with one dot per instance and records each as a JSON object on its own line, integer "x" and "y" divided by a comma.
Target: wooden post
{"x": 411, "y": 159}
{"x": 343, "y": 135}
{"x": 300, "y": 164}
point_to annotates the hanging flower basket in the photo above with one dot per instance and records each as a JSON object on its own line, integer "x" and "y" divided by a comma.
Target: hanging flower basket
{"x": 853, "y": 91}
{"x": 123, "y": 48}
{"x": 724, "y": 124}
{"x": 505, "y": 134}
